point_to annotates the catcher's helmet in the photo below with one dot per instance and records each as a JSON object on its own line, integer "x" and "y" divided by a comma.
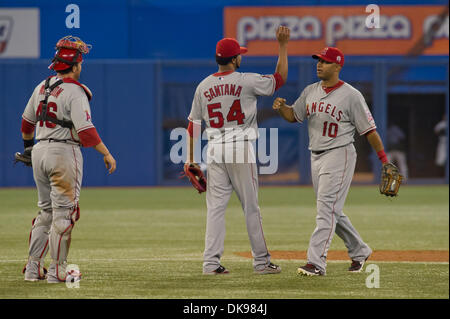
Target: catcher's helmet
{"x": 69, "y": 51}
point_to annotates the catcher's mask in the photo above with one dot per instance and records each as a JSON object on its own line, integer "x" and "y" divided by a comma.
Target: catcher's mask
{"x": 69, "y": 51}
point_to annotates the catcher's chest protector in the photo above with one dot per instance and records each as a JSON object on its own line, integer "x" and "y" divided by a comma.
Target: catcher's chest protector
{"x": 43, "y": 116}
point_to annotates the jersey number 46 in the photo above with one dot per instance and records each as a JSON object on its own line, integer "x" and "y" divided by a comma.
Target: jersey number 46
{"x": 50, "y": 107}
{"x": 216, "y": 119}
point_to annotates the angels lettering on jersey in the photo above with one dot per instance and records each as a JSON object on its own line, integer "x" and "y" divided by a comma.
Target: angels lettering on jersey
{"x": 333, "y": 115}
{"x": 319, "y": 107}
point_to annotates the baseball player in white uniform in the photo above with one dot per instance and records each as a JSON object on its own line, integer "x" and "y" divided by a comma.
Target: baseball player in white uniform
{"x": 334, "y": 110}
{"x": 226, "y": 101}
{"x": 396, "y": 149}
{"x": 58, "y": 111}
{"x": 441, "y": 152}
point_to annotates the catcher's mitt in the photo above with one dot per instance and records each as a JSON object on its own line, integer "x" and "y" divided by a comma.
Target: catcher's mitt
{"x": 24, "y": 157}
{"x": 391, "y": 179}
{"x": 195, "y": 175}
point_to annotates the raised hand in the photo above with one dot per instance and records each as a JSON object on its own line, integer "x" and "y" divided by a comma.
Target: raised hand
{"x": 283, "y": 34}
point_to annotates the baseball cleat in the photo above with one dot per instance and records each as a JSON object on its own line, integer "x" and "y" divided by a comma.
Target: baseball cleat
{"x": 309, "y": 270}
{"x": 357, "y": 266}
{"x": 269, "y": 269}
{"x": 221, "y": 270}
{"x": 31, "y": 277}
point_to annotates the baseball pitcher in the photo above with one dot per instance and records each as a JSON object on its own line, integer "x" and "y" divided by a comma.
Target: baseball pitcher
{"x": 226, "y": 101}
{"x": 59, "y": 113}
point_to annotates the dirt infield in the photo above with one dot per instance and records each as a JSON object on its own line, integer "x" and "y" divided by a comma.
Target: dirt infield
{"x": 377, "y": 255}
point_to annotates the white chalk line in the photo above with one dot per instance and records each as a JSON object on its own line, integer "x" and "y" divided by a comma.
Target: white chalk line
{"x": 234, "y": 258}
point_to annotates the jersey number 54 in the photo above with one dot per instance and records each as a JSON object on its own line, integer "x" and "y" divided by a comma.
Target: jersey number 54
{"x": 216, "y": 119}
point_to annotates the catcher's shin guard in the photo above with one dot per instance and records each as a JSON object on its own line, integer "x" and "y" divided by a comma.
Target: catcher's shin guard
{"x": 60, "y": 237}
{"x": 34, "y": 270}
{"x": 38, "y": 240}
{"x": 38, "y": 246}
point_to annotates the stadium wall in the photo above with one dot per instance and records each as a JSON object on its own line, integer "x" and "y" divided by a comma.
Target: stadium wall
{"x": 147, "y": 58}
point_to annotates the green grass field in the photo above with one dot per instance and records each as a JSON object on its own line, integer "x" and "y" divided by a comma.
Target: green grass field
{"x": 148, "y": 243}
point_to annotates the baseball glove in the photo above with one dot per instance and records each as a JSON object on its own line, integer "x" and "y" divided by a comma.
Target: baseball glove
{"x": 195, "y": 175}
{"x": 391, "y": 179}
{"x": 24, "y": 157}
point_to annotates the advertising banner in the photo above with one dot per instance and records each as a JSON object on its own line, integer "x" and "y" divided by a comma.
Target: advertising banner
{"x": 19, "y": 33}
{"x": 393, "y": 30}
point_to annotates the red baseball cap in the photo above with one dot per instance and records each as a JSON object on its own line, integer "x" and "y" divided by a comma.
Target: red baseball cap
{"x": 229, "y": 47}
{"x": 330, "y": 54}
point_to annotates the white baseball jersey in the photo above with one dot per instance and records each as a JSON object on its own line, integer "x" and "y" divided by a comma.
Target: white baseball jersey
{"x": 68, "y": 101}
{"x": 227, "y": 103}
{"x": 333, "y": 117}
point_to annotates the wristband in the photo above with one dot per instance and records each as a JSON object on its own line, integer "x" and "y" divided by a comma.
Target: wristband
{"x": 28, "y": 143}
{"x": 382, "y": 156}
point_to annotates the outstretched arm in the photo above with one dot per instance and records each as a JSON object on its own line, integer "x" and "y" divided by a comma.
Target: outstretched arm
{"x": 285, "y": 111}
{"x": 282, "y": 64}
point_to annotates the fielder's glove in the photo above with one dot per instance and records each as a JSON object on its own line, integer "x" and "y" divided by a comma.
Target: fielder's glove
{"x": 391, "y": 179}
{"x": 24, "y": 157}
{"x": 195, "y": 175}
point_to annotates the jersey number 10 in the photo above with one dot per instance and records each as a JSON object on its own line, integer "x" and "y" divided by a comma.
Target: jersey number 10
{"x": 216, "y": 119}
{"x": 332, "y": 129}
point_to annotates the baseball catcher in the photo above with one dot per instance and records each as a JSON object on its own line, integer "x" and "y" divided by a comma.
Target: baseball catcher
{"x": 391, "y": 180}
{"x": 195, "y": 175}
{"x": 58, "y": 116}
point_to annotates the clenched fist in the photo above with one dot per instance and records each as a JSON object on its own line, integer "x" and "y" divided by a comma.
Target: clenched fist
{"x": 283, "y": 34}
{"x": 278, "y": 103}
